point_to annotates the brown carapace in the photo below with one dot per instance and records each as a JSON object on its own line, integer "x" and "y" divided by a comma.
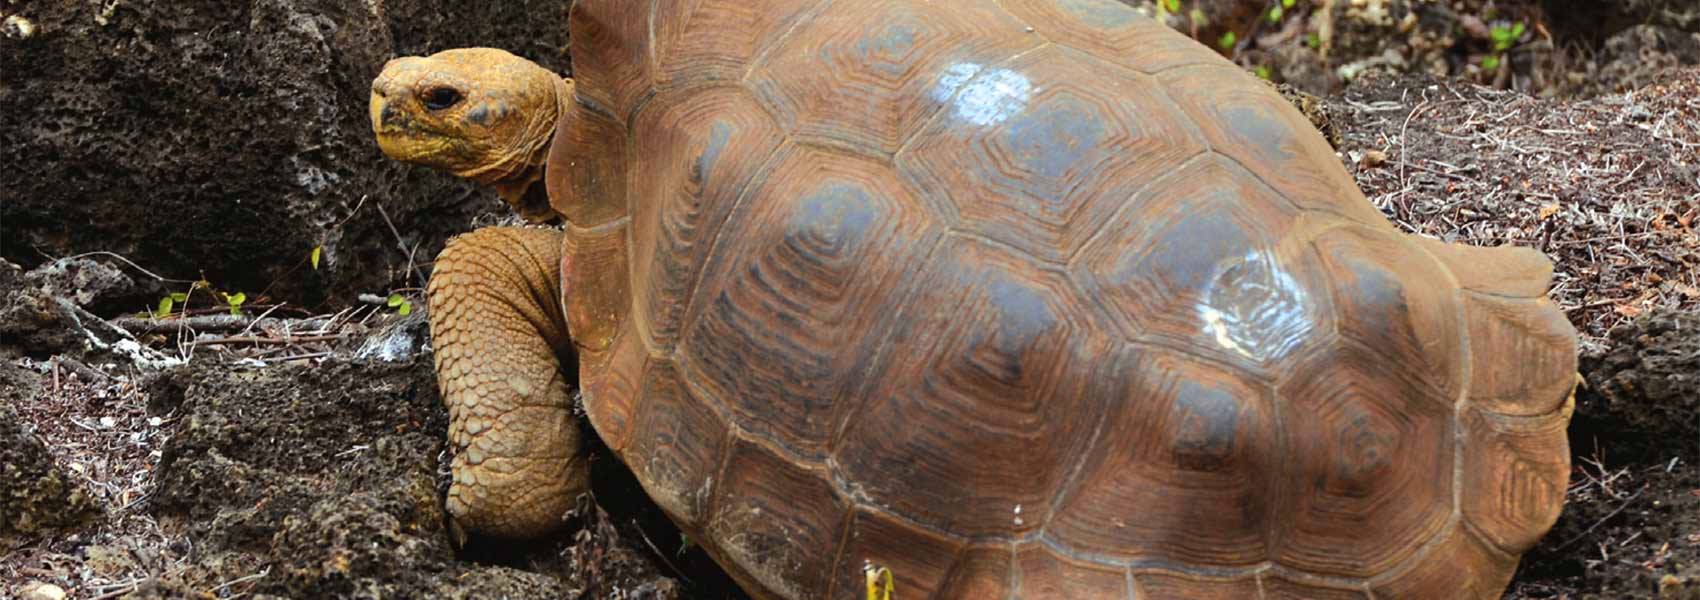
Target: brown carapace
{"x": 1014, "y": 298}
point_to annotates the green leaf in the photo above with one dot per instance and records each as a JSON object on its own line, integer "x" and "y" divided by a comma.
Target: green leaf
{"x": 1264, "y": 72}
{"x": 405, "y": 309}
{"x": 1288, "y": 3}
{"x": 1227, "y": 40}
{"x": 236, "y": 299}
{"x": 1173, "y": 6}
{"x": 1491, "y": 63}
{"x": 1198, "y": 17}
{"x": 1275, "y": 15}
{"x": 1313, "y": 40}
{"x": 394, "y": 300}
{"x": 164, "y": 306}
{"x": 314, "y": 258}
{"x": 178, "y": 297}
{"x": 1517, "y": 30}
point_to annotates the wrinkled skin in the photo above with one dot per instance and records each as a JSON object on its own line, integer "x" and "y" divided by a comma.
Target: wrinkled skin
{"x": 496, "y": 321}
{"x": 438, "y": 112}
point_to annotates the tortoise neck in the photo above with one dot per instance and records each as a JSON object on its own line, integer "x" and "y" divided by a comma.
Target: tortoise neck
{"x": 520, "y": 181}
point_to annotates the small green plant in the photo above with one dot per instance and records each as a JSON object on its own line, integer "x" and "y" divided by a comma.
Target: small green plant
{"x": 1275, "y": 15}
{"x": 1491, "y": 63}
{"x": 400, "y": 303}
{"x": 1227, "y": 40}
{"x": 1171, "y": 6}
{"x": 1288, "y": 3}
{"x": 314, "y": 257}
{"x": 1506, "y": 36}
{"x": 234, "y": 301}
{"x": 1313, "y": 40}
{"x": 1264, "y": 73}
{"x": 169, "y": 302}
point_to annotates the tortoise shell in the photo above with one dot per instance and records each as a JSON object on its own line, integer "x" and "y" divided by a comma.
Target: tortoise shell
{"x": 1031, "y": 298}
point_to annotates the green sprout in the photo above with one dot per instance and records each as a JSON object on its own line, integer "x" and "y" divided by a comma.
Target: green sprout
{"x": 1171, "y": 6}
{"x": 1491, "y": 63}
{"x": 168, "y": 302}
{"x": 400, "y": 303}
{"x": 1264, "y": 72}
{"x": 234, "y": 301}
{"x": 1227, "y": 40}
{"x": 1275, "y": 15}
{"x": 314, "y": 258}
{"x": 1505, "y": 36}
{"x": 1288, "y": 3}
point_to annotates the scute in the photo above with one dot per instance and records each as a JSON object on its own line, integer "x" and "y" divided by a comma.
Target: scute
{"x": 1209, "y": 260}
{"x": 703, "y": 149}
{"x": 1368, "y": 465}
{"x": 1185, "y": 470}
{"x": 997, "y": 384}
{"x": 868, "y": 72}
{"x": 1029, "y": 152}
{"x": 1243, "y": 119}
{"x": 794, "y": 300}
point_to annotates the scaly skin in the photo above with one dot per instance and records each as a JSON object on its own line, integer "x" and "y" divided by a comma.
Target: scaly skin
{"x": 488, "y": 116}
{"x": 498, "y": 330}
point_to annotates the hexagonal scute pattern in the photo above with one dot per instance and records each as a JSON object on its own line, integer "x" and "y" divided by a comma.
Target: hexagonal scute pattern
{"x": 1437, "y": 574}
{"x": 755, "y": 521}
{"x": 1185, "y": 470}
{"x": 1044, "y": 573}
{"x": 1211, "y": 261}
{"x": 797, "y": 297}
{"x": 611, "y": 54}
{"x": 701, "y": 150}
{"x": 1368, "y": 468}
{"x": 1523, "y": 354}
{"x": 717, "y": 40}
{"x": 1112, "y": 31}
{"x": 919, "y": 559}
{"x": 1032, "y": 152}
{"x": 1243, "y": 120}
{"x": 993, "y": 380}
{"x": 1392, "y": 297}
{"x": 1515, "y": 473}
{"x": 868, "y": 72}
{"x": 676, "y": 444}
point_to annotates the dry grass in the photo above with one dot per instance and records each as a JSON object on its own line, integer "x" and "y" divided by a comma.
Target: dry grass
{"x": 1609, "y": 188}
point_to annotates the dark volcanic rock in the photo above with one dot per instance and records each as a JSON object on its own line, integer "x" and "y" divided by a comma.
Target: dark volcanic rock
{"x": 229, "y": 138}
{"x": 328, "y": 471}
{"x": 38, "y": 496}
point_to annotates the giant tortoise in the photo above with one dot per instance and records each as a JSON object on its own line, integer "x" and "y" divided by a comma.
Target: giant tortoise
{"x": 1011, "y": 298}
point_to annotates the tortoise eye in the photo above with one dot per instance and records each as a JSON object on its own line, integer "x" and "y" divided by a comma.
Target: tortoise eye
{"x": 441, "y": 98}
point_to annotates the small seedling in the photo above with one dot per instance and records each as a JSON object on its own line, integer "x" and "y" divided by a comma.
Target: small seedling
{"x": 168, "y": 302}
{"x": 1288, "y": 3}
{"x": 1171, "y": 6}
{"x": 314, "y": 258}
{"x": 234, "y": 301}
{"x": 1227, "y": 40}
{"x": 1264, "y": 73}
{"x": 1491, "y": 63}
{"x": 1505, "y": 36}
{"x": 1275, "y": 15}
{"x": 400, "y": 303}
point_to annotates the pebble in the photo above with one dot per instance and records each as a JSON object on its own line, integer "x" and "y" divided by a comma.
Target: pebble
{"x": 43, "y": 591}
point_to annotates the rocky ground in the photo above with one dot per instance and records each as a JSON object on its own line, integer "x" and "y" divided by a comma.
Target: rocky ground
{"x": 207, "y": 148}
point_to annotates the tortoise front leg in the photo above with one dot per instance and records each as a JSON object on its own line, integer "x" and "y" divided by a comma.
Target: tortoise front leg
{"x": 498, "y": 331}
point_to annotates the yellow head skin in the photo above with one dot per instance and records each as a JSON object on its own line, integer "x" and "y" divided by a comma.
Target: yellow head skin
{"x": 478, "y": 113}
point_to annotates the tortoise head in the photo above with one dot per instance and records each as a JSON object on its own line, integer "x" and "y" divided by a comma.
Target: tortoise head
{"x": 478, "y": 113}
